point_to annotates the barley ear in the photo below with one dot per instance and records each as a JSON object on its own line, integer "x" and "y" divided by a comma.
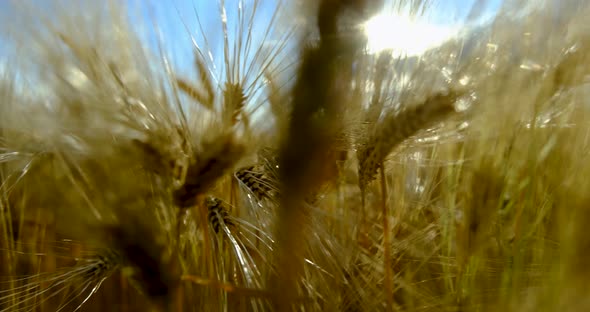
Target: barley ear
{"x": 398, "y": 127}
{"x": 214, "y": 160}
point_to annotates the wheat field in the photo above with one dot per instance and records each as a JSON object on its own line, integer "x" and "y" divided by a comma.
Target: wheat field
{"x": 293, "y": 169}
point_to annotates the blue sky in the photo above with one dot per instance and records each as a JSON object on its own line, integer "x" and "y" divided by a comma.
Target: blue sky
{"x": 171, "y": 17}
{"x": 177, "y": 22}
{"x": 453, "y": 11}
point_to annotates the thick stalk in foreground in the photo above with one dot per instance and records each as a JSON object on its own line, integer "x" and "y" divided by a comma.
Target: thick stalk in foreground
{"x": 308, "y": 149}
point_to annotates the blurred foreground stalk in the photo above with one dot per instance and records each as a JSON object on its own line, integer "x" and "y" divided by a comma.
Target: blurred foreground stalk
{"x": 308, "y": 152}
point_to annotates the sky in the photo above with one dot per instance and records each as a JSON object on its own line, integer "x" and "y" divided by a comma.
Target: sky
{"x": 170, "y": 16}
{"x": 177, "y": 21}
{"x": 178, "y": 28}
{"x": 183, "y": 22}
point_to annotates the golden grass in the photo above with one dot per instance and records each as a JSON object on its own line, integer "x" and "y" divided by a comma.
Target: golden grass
{"x": 118, "y": 193}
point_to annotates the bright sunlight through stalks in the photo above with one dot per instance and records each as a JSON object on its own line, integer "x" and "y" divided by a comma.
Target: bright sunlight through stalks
{"x": 404, "y": 35}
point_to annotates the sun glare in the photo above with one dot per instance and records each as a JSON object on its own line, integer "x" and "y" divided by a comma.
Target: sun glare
{"x": 404, "y": 36}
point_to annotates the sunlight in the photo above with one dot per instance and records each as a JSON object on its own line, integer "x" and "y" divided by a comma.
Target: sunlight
{"x": 404, "y": 36}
